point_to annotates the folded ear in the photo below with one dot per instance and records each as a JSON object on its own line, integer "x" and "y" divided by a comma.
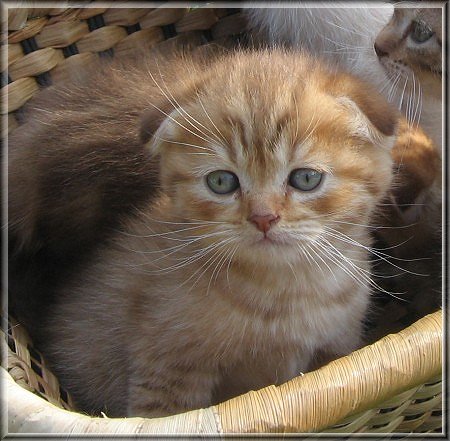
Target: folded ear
{"x": 176, "y": 93}
{"x": 153, "y": 117}
{"x": 161, "y": 113}
{"x": 374, "y": 117}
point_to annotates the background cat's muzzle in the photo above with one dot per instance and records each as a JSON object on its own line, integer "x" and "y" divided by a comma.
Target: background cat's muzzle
{"x": 379, "y": 51}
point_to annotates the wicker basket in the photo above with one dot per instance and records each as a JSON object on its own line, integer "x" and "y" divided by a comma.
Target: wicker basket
{"x": 393, "y": 385}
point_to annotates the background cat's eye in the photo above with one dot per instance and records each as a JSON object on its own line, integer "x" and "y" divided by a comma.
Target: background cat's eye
{"x": 222, "y": 181}
{"x": 420, "y": 31}
{"x": 305, "y": 179}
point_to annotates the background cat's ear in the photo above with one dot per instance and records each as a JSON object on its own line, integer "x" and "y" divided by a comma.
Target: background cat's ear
{"x": 374, "y": 118}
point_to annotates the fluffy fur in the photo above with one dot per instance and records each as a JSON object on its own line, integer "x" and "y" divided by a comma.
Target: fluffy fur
{"x": 75, "y": 168}
{"x": 337, "y": 32}
{"x": 191, "y": 303}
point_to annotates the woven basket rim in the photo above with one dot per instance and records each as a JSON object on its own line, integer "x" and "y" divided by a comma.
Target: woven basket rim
{"x": 350, "y": 385}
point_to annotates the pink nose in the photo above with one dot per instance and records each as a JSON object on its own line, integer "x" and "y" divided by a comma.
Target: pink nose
{"x": 264, "y": 222}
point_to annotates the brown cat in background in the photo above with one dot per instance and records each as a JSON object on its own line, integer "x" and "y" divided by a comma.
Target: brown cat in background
{"x": 68, "y": 188}
{"x": 251, "y": 264}
{"x": 409, "y": 235}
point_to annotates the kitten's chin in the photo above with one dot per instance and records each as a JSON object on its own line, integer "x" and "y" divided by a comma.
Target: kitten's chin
{"x": 272, "y": 251}
{"x": 273, "y": 240}
{"x": 267, "y": 241}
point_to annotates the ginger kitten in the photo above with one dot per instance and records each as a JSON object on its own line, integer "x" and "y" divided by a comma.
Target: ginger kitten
{"x": 251, "y": 264}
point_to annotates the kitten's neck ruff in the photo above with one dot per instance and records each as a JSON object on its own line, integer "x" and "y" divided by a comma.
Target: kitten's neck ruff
{"x": 282, "y": 286}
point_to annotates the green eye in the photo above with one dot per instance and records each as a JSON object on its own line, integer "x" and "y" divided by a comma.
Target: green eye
{"x": 305, "y": 179}
{"x": 222, "y": 182}
{"x": 421, "y": 32}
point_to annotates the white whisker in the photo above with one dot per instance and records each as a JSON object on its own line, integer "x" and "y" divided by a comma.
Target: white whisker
{"x": 354, "y": 271}
{"x": 212, "y": 122}
{"x": 208, "y": 263}
{"x": 385, "y": 257}
{"x": 186, "y": 144}
{"x": 176, "y": 122}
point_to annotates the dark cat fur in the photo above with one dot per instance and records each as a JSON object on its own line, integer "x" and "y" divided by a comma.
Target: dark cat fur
{"x": 56, "y": 219}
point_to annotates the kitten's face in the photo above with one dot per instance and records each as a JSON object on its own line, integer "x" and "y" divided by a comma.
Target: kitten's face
{"x": 271, "y": 161}
{"x": 411, "y": 43}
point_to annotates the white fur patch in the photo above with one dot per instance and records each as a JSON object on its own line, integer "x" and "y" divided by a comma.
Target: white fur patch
{"x": 341, "y": 32}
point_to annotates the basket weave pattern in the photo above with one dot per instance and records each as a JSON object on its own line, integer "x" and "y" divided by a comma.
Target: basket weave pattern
{"x": 391, "y": 386}
{"x": 357, "y": 385}
{"x": 48, "y": 45}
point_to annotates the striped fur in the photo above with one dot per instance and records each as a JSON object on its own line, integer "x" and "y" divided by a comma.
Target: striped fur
{"x": 190, "y": 303}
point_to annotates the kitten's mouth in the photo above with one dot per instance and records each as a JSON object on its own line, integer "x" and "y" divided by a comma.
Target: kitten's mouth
{"x": 266, "y": 239}
{"x": 271, "y": 240}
